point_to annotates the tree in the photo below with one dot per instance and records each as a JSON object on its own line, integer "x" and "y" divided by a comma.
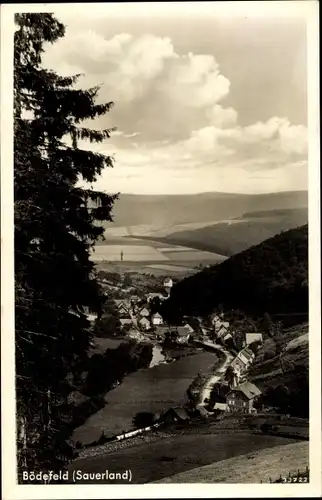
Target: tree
{"x": 143, "y": 419}
{"x": 127, "y": 281}
{"x": 230, "y": 375}
{"x": 107, "y": 326}
{"x": 56, "y": 225}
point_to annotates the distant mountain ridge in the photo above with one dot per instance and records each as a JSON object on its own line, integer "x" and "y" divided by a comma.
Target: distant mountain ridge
{"x": 270, "y": 277}
{"x": 167, "y": 210}
{"x": 236, "y": 235}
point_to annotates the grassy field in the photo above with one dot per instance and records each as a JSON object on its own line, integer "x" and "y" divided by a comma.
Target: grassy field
{"x": 150, "y": 390}
{"x": 151, "y": 462}
{"x": 255, "y": 467}
{"x": 148, "y": 256}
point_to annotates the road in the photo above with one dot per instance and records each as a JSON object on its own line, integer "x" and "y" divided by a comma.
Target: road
{"x": 207, "y": 388}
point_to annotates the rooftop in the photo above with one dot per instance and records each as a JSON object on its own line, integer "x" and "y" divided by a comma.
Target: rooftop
{"x": 250, "y": 390}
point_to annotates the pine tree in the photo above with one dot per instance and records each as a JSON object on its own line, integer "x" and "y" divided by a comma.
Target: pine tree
{"x": 56, "y": 225}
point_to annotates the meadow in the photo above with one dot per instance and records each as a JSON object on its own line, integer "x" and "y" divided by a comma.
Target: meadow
{"x": 150, "y": 389}
{"x": 163, "y": 458}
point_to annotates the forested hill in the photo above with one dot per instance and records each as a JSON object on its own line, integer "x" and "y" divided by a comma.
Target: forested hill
{"x": 270, "y": 277}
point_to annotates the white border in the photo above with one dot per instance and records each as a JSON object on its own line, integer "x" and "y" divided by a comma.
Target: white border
{"x": 12, "y": 491}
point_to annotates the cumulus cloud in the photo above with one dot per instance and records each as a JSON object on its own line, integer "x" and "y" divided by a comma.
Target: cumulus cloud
{"x": 172, "y": 115}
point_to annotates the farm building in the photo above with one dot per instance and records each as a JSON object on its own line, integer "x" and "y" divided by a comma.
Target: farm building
{"x": 157, "y": 319}
{"x": 175, "y": 414}
{"x": 242, "y": 398}
{"x": 253, "y": 337}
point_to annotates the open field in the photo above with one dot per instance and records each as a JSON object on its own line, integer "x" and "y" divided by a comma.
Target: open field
{"x": 255, "y": 467}
{"x": 148, "y": 256}
{"x": 160, "y": 459}
{"x": 150, "y": 390}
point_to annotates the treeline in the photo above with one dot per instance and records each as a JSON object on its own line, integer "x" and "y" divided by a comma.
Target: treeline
{"x": 57, "y": 222}
{"x": 105, "y": 370}
{"x": 271, "y": 277}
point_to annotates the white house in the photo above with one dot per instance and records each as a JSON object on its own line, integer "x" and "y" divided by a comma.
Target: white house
{"x": 157, "y": 319}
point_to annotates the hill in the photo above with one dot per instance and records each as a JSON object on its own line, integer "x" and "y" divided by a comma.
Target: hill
{"x": 236, "y": 235}
{"x": 270, "y": 277}
{"x": 167, "y": 210}
{"x": 255, "y": 467}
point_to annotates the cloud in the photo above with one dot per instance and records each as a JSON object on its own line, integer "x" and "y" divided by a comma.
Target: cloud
{"x": 174, "y": 123}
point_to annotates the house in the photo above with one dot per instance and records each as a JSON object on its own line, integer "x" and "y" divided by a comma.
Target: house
{"x": 123, "y": 308}
{"x": 238, "y": 366}
{"x": 242, "y": 397}
{"x": 226, "y": 337}
{"x": 183, "y": 334}
{"x": 253, "y": 337}
{"x": 243, "y": 361}
{"x": 144, "y": 323}
{"x": 152, "y": 296}
{"x": 246, "y": 355}
{"x": 161, "y": 331}
{"x": 144, "y": 312}
{"x": 189, "y": 328}
{"x": 125, "y": 321}
{"x": 176, "y": 414}
{"x": 168, "y": 284}
{"x": 157, "y": 319}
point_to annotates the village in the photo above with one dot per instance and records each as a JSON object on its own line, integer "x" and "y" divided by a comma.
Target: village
{"x": 228, "y": 389}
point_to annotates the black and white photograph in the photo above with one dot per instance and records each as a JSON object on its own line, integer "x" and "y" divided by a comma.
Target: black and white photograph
{"x": 163, "y": 172}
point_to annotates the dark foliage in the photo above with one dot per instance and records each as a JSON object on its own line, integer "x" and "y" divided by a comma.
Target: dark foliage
{"x": 143, "y": 419}
{"x": 56, "y": 224}
{"x": 111, "y": 367}
{"x": 271, "y": 277}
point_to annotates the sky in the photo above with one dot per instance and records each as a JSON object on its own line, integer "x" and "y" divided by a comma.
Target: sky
{"x": 202, "y": 102}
